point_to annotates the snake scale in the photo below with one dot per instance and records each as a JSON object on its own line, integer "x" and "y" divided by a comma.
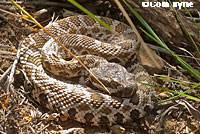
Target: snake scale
{"x": 48, "y": 67}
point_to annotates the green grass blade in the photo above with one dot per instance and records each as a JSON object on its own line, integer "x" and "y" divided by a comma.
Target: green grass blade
{"x": 172, "y": 91}
{"x": 153, "y": 36}
{"x": 197, "y": 25}
{"x": 143, "y": 22}
{"x": 189, "y": 68}
{"x": 92, "y": 16}
{"x": 184, "y": 28}
{"x": 175, "y": 81}
{"x": 46, "y": 31}
{"x": 175, "y": 97}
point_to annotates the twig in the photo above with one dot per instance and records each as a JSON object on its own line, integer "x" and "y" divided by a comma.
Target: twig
{"x": 137, "y": 33}
{"x": 193, "y": 111}
{"x": 54, "y": 37}
{"x": 159, "y": 49}
{"x": 11, "y": 76}
{"x": 167, "y": 111}
{"x": 19, "y": 16}
{"x": 1, "y": 71}
{"x": 3, "y": 78}
{"x": 43, "y": 3}
{"x": 43, "y": 129}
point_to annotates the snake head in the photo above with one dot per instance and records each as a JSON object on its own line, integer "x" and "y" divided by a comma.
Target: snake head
{"x": 116, "y": 78}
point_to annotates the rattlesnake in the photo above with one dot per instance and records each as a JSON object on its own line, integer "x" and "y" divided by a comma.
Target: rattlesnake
{"x": 44, "y": 63}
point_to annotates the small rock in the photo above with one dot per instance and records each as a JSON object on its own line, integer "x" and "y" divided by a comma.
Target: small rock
{"x": 147, "y": 63}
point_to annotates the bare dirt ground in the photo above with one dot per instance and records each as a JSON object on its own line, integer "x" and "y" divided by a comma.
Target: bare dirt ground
{"x": 19, "y": 113}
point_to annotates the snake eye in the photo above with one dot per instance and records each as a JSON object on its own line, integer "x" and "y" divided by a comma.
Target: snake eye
{"x": 114, "y": 84}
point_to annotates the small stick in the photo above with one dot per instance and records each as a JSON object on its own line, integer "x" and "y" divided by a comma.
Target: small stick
{"x": 19, "y": 16}
{"x": 43, "y": 3}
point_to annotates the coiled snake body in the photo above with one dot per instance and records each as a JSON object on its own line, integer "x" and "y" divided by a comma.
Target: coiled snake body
{"x": 46, "y": 65}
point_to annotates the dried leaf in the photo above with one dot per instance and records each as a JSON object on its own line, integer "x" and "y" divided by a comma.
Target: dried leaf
{"x": 5, "y": 102}
{"x": 28, "y": 118}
